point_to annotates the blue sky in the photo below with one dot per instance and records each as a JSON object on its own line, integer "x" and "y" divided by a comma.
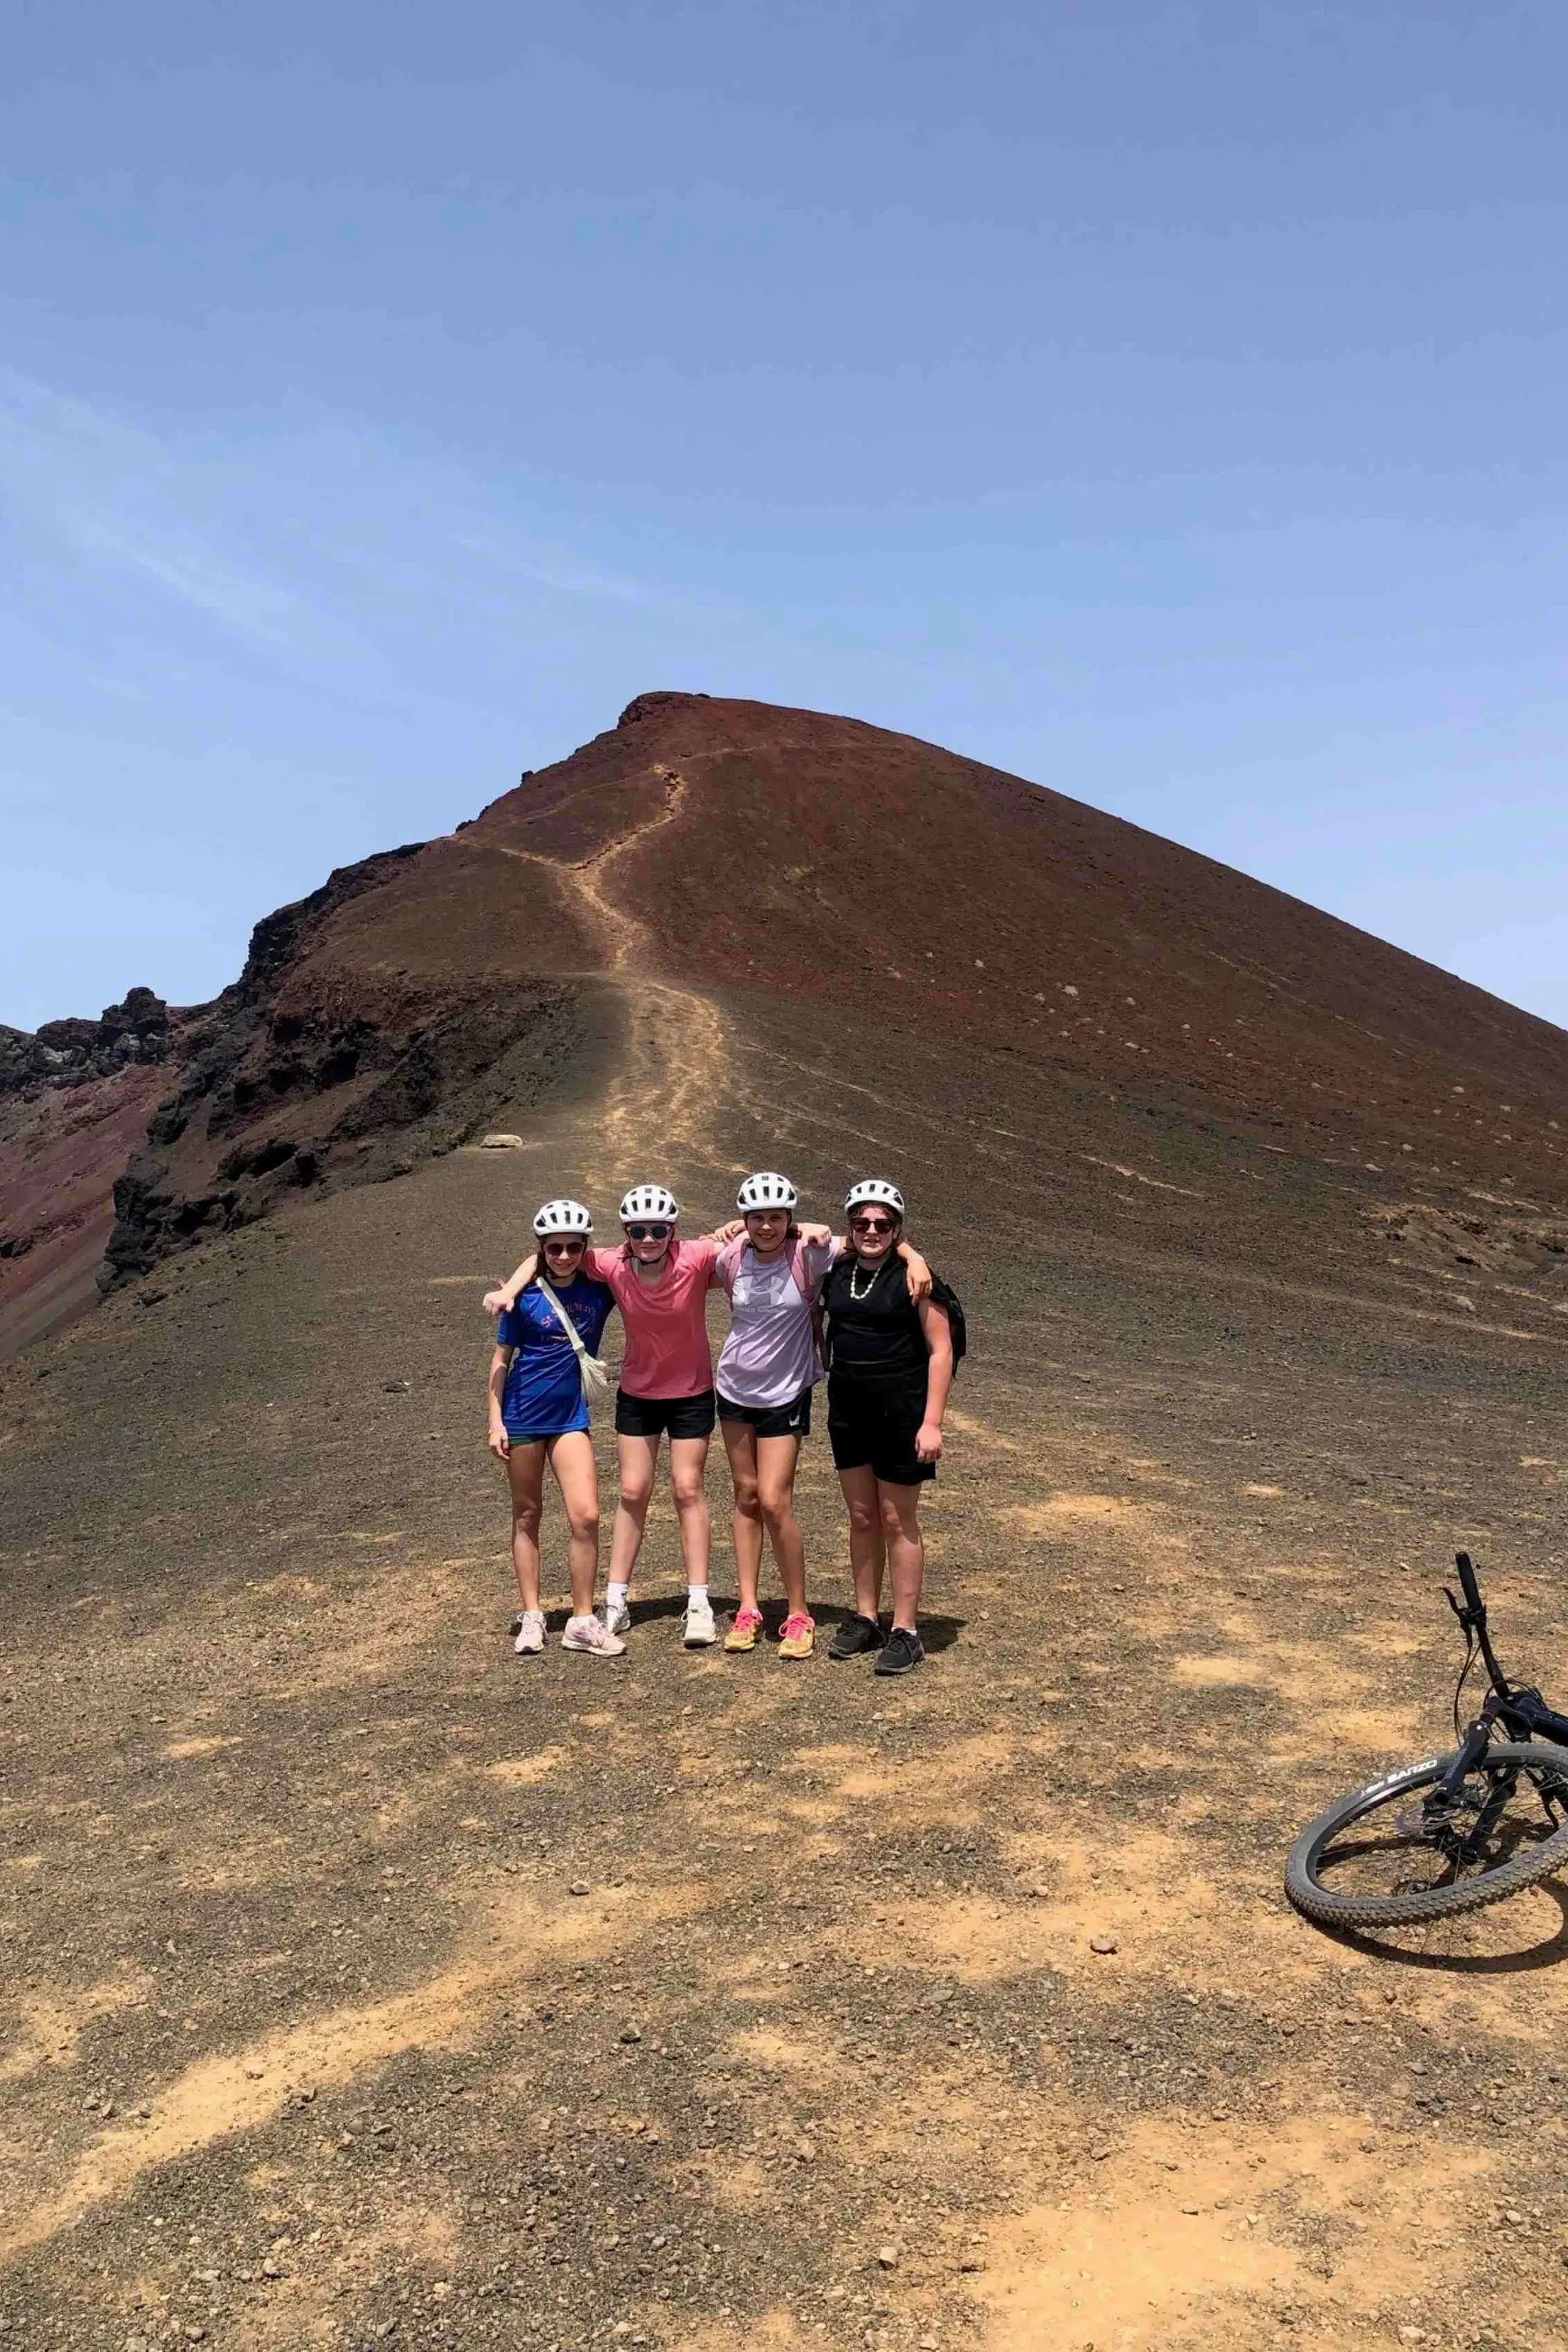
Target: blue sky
{"x": 1163, "y": 402}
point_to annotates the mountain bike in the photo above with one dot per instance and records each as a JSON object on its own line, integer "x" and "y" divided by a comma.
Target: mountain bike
{"x": 1455, "y": 1831}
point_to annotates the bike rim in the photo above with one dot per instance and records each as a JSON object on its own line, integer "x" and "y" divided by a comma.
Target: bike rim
{"x": 1387, "y": 1849}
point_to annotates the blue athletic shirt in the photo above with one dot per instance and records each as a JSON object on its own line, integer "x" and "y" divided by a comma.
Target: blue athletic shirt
{"x": 543, "y": 1393}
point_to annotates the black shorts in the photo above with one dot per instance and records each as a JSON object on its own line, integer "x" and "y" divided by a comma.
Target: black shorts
{"x": 689, "y": 1416}
{"x": 792, "y": 1420}
{"x": 872, "y": 1425}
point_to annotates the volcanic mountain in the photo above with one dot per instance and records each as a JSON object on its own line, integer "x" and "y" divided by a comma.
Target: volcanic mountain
{"x": 717, "y": 910}
{"x": 367, "y": 1984}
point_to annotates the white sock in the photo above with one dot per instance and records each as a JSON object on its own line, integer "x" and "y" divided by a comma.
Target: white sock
{"x": 696, "y": 1593}
{"x": 616, "y": 1593}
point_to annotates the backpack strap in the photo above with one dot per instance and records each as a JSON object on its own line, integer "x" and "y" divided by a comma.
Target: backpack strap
{"x": 727, "y": 1265}
{"x": 800, "y": 1267}
{"x": 800, "y": 1270}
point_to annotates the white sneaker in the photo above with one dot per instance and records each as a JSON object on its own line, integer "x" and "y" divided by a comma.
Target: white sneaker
{"x": 616, "y": 1617}
{"x": 700, "y": 1627}
{"x": 527, "y": 1632}
{"x": 590, "y": 1633}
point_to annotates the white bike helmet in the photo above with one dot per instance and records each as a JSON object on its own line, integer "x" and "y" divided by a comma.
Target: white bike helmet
{"x": 563, "y": 1217}
{"x": 766, "y": 1189}
{"x": 655, "y": 1201}
{"x": 873, "y": 1188}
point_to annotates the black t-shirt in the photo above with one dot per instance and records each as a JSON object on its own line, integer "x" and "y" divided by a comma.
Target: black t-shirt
{"x": 873, "y": 1325}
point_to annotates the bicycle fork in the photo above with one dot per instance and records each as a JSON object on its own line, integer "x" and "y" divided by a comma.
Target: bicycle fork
{"x": 1441, "y": 1811}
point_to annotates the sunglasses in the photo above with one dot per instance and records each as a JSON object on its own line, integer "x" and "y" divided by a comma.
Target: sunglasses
{"x": 647, "y": 1233}
{"x": 565, "y": 1242}
{"x": 870, "y": 1224}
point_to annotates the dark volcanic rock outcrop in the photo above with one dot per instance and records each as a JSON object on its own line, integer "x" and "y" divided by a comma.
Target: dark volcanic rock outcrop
{"x": 73, "y": 1053}
{"x": 302, "y": 1075}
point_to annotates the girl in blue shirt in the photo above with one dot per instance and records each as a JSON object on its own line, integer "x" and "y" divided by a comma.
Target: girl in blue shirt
{"x": 539, "y": 1413}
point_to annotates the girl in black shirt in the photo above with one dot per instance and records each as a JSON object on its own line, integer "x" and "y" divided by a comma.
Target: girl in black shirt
{"x": 890, "y": 1366}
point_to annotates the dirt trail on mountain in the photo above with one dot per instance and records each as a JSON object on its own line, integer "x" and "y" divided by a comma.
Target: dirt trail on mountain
{"x": 666, "y": 1094}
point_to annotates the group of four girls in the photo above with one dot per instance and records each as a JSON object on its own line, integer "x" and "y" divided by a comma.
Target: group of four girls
{"x": 889, "y": 1349}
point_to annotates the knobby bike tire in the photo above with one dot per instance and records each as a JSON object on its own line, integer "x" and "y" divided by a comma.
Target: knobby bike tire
{"x": 1410, "y": 1909}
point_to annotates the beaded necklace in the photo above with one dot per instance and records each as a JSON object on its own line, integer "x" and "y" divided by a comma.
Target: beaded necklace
{"x": 860, "y": 1297}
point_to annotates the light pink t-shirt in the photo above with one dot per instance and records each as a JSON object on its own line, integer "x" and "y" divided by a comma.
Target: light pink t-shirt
{"x": 668, "y": 1354}
{"x": 770, "y": 1355}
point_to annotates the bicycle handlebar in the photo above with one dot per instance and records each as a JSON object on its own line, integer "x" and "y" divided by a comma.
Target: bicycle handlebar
{"x": 1471, "y": 1590}
{"x": 1473, "y": 1617}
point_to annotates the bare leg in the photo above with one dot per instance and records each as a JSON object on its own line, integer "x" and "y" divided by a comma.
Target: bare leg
{"x": 571, "y": 1460}
{"x": 740, "y": 1445}
{"x": 688, "y": 1459}
{"x": 906, "y": 1549}
{"x": 867, "y": 1546}
{"x": 525, "y": 1475}
{"x": 776, "y": 1460}
{"x": 638, "y": 1460}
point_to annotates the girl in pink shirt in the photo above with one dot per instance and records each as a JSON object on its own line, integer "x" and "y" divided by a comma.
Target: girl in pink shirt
{"x": 660, "y": 1283}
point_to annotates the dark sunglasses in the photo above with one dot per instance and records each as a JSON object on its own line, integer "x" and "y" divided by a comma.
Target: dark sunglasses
{"x": 564, "y": 1242}
{"x": 870, "y": 1224}
{"x": 647, "y": 1233}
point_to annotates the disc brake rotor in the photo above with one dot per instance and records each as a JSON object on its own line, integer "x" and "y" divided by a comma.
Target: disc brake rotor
{"x": 1432, "y": 1824}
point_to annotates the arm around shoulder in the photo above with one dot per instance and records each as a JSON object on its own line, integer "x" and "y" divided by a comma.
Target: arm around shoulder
{"x": 498, "y": 1301}
{"x": 917, "y": 1273}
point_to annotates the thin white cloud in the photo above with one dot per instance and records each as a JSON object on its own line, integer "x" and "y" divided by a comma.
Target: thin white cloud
{"x": 415, "y": 579}
{"x": 118, "y": 497}
{"x": 319, "y": 538}
{"x": 550, "y": 570}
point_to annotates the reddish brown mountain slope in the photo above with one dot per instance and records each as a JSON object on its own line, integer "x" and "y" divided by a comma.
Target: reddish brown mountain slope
{"x": 704, "y": 851}
{"x": 822, "y": 858}
{"x": 75, "y": 1100}
{"x": 59, "y": 1156}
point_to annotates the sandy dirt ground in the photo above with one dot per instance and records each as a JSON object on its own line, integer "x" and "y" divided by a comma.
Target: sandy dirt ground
{"x": 365, "y": 1985}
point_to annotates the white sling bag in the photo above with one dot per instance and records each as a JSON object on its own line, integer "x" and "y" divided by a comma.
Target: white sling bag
{"x": 594, "y": 1371}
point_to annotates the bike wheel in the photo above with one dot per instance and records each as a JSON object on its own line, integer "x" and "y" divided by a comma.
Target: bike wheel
{"x": 1368, "y": 1862}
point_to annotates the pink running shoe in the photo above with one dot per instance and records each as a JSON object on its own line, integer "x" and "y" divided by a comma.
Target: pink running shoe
{"x": 799, "y": 1636}
{"x": 742, "y": 1633}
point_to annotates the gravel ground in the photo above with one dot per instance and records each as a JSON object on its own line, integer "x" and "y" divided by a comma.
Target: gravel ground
{"x": 365, "y": 1985}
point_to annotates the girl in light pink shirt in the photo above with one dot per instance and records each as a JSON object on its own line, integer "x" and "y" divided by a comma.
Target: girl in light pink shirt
{"x": 767, "y": 1369}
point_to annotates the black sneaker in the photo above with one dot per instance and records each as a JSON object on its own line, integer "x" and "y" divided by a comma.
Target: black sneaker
{"x": 900, "y": 1653}
{"x": 854, "y": 1636}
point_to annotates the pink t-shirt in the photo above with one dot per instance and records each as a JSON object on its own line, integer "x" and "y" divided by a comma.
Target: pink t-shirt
{"x": 668, "y": 1354}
